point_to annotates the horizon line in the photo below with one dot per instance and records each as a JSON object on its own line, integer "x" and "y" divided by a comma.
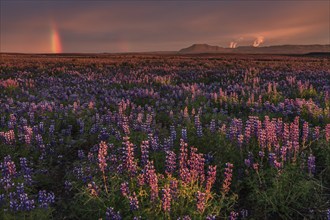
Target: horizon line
{"x": 162, "y": 51}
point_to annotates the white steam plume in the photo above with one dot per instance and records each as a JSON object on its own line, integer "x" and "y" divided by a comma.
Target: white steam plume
{"x": 258, "y": 41}
{"x": 233, "y": 44}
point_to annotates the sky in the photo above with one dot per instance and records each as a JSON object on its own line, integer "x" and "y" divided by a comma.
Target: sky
{"x": 50, "y": 26}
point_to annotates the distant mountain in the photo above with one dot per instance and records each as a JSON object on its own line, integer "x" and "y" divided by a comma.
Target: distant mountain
{"x": 280, "y": 49}
{"x": 202, "y": 48}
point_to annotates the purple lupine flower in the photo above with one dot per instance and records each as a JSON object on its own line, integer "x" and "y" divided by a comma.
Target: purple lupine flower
{"x": 198, "y": 126}
{"x": 8, "y": 170}
{"x": 233, "y": 129}
{"x": 13, "y": 203}
{"x": 211, "y": 217}
{"x": 124, "y": 188}
{"x": 2, "y": 199}
{"x": 81, "y": 154}
{"x": 247, "y": 162}
{"x": 184, "y": 134}
{"x": 41, "y": 127}
{"x": 154, "y": 142}
{"x": 284, "y": 153}
{"x": 212, "y": 126}
{"x": 170, "y": 163}
{"x": 208, "y": 158}
{"x": 110, "y": 214}
{"x": 311, "y": 164}
{"x": 247, "y": 132}
{"x": 27, "y": 139}
{"x": 39, "y": 140}
{"x": 45, "y": 199}
{"x": 186, "y": 217}
{"x": 244, "y": 213}
{"x": 166, "y": 199}
{"x": 26, "y": 171}
{"x": 133, "y": 202}
{"x": 25, "y": 204}
{"x": 81, "y": 126}
{"x": 67, "y": 185}
{"x": 51, "y": 129}
{"x": 78, "y": 172}
{"x": 167, "y": 144}
{"x": 271, "y": 158}
{"x": 91, "y": 157}
{"x": 144, "y": 152}
{"x": 173, "y": 132}
{"x": 233, "y": 215}
{"x": 104, "y": 134}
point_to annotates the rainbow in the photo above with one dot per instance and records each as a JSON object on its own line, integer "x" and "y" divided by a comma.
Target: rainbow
{"x": 55, "y": 40}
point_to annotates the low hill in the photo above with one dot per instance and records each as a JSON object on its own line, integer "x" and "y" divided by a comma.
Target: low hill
{"x": 279, "y": 49}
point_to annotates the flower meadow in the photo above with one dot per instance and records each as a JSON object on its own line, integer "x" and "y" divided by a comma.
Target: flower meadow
{"x": 149, "y": 136}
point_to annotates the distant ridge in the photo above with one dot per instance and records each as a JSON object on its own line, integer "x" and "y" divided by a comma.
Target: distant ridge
{"x": 279, "y": 49}
{"x": 197, "y": 48}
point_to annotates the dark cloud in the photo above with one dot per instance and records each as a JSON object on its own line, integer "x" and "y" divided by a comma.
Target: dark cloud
{"x": 99, "y": 26}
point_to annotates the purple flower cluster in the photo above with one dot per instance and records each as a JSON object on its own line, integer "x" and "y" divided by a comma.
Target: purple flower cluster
{"x": 170, "y": 162}
{"x": 110, "y": 214}
{"x": 45, "y": 199}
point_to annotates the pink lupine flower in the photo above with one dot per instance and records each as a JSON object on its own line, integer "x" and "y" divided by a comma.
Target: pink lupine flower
{"x": 305, "y": 132}
{"x": 124, "y": 189}
{"x": 166, "y": 199}
{"x": 201, "y": 199}
{"x": 196, "y": 165}
{"x": 128, "y": 159}
{"x": 211, "y": 177}
{"x": 183, "y": 159}
{"x": 152, "y": 179}
{"x": 170, "y": 163}
{"x": 102, "y": 156}
{"x": 174, "y": 188}
{"x": 228, "y": 178}
{"x": 327, "y": 132}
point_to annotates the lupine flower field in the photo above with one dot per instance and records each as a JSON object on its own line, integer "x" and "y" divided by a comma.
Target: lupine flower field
{"x": 149, "y": 136}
